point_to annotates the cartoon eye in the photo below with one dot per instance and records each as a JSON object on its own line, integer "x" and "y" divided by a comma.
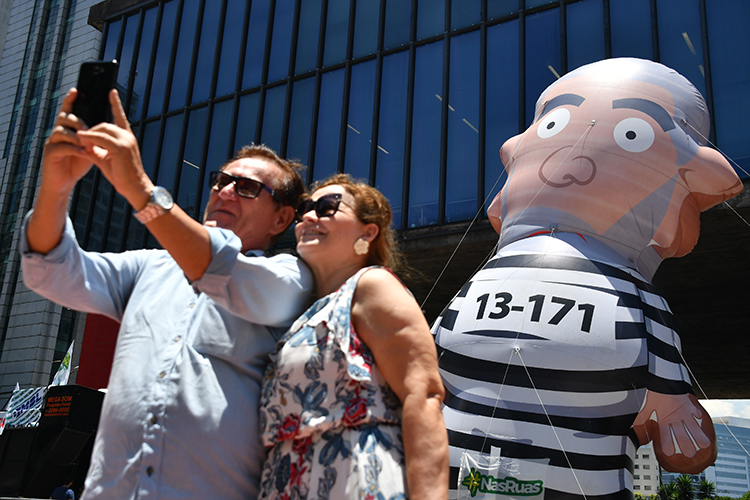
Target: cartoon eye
{"x": 553, "y": 123}
{"x": 634, "y": 135}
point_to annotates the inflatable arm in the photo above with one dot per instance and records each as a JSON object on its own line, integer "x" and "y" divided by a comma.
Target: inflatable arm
{"x": 683, "y": 435}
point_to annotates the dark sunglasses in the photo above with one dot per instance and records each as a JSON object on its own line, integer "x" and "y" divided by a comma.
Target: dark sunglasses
{"x": 325, "y": 206}
{"x": 243, "y": 186}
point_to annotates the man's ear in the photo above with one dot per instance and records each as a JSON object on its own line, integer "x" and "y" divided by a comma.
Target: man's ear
{"x": 710, "y": 178}
{"x": 284, "y": 217}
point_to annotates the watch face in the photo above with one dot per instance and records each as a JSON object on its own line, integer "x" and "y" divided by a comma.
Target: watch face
{"x": 162, "y": 197}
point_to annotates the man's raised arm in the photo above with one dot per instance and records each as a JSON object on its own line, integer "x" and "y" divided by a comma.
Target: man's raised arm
{"x": 114, "y": 149}
{"x": 64, "y": 163}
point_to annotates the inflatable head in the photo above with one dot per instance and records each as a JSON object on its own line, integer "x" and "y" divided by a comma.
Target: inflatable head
{"x": 616, "y": 152}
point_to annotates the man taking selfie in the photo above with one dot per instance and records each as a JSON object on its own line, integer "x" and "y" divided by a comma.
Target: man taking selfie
{"x": 197, "y": 318}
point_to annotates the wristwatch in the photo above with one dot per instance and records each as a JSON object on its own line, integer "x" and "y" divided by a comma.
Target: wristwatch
{"x": 159, "y": 203}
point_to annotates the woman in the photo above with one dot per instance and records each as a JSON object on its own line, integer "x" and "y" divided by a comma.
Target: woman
{"x": 351, "y": 403}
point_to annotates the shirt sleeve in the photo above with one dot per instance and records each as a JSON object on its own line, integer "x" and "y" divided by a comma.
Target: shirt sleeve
{"x": 85, "y": 281}
{"x": 270, "y": 291}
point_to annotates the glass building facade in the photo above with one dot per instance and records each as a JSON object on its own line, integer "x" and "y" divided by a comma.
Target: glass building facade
{"x": 416, "y": 96}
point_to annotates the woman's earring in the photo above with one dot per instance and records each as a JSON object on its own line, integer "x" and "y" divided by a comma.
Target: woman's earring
{"x": 361, "y": 247}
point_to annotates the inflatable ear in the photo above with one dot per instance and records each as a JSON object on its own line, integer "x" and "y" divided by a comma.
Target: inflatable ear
{"x": 710, "y": 178}
{"x": 494, "y": 211}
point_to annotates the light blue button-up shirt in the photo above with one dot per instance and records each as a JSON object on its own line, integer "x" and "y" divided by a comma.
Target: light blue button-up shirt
{"x": 180, "y": 419}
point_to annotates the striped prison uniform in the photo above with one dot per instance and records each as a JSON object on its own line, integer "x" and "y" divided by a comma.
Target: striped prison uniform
{"x": 551, "y": 347}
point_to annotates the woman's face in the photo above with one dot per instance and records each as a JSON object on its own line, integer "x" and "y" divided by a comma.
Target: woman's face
{"x": 329, "y": 237}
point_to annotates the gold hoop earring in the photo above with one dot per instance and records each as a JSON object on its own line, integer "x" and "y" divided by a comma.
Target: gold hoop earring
{"x": 361, "y": 247}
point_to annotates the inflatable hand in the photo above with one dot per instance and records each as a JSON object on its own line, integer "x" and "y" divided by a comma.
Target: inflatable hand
{"x": 681, "y": 430}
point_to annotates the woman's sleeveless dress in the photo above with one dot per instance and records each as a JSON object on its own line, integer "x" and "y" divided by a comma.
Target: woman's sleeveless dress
{"x": 330, "y": 422}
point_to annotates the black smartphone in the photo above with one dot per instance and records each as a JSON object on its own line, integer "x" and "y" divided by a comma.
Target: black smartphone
{"x": 95, "y": 80}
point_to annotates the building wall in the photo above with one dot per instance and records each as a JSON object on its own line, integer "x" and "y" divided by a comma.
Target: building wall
{"x": 646, "y": 478}
{"x": 731, "y": 472}
{"x": 46, "y": 41}
{"x": 5, "y": 6}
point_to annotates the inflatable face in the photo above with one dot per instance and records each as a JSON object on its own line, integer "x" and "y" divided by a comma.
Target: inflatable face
{"x": 615, "y": 153}
{"x": 559, "y": 357}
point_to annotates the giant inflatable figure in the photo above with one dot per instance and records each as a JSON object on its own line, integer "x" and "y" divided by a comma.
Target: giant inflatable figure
{"x": 559, "y": 356}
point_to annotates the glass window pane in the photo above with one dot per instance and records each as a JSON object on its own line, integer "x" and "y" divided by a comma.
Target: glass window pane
{"x": 126, "y": 54}
{"x": 465, "y": 13}
{"x": 99, "y": 216}
{"x": 424, "y": 177}
{"x": 463, "y": 129}
{"x": 501, "y": 8}
{"x": 585, "y": 32}
{"x": 218, "y": 146}
{"x": 397, "y": 23}
{"x": 731, "y": 102}
{"x": 161, "y": 66}
{"x": 256, "y": 44}
{"x": 204, "y": 68}
{"x": 169, "y": 152}
{"x": 680, "y": 39}
{"x": 230, "y": 48}
{"x": 281, "y": 44}
{"x": 149, "y": 145}
{"x": 110, "y": 45}
{"x": 306, "y": 58}
{"x": 542, "y": 55}
{"x": 300, "y": 120}
{"x": 181, "y": 71}
{"x": 191, "y": 160}
{"x": 273, "y": 117}
{"x": 329, "y": 124}
{"x": 359, "y": 124}
{"x": 337, "y": 29}
{"x": 631, "y": 28}
{"x": 141, "y": 70}
{"x": 389, "y": 172}
{"x": 366, "y": 22}
{"x": 536, "y": 3}
{"x": 502, "y": 101}
{"x": 430, "y": 18}
{"x": 120, "y": 209}
{"x": 247, "y": 118}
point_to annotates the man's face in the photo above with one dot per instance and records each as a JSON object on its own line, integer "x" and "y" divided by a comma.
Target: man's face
{"x": 595, "y": 152}
{"x": 254, "y": 220}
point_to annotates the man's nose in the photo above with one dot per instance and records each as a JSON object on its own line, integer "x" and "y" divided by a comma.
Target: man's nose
{"x": 228, "y": 191}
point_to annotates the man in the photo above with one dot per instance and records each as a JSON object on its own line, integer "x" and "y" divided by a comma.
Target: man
{"x": 197, "y": 319}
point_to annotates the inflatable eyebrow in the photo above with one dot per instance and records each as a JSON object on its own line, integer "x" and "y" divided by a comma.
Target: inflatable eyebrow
{"x": 560, "y": 357}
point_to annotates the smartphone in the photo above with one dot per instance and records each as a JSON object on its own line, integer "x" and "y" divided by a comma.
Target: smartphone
{"x": 95, "y": 80}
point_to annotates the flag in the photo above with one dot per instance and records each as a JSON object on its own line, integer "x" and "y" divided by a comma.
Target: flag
{"x": 61, "y": 377}
{"x": 25, "y": 407}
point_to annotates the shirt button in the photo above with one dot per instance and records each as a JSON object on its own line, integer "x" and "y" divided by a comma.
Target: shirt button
{"x": 150, "y": 470}
{"x": 162, "y": 374}
{"x": 154, "y": 419}
{"x": 192, "y": 306}
{"x": 177, "y": 338}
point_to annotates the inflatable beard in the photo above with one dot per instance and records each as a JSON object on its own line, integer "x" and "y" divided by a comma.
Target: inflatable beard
{"x": 559, "y": 356}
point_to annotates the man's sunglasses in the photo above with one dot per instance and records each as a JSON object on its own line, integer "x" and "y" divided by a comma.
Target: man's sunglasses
{"x": 243, "y": 186}
{"x": 325, "y": 206}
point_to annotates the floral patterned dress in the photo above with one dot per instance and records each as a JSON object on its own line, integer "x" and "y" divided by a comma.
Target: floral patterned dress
{"x": 330, "y": 422}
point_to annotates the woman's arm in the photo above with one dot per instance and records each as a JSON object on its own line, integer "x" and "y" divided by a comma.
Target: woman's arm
{"x": 389, "y": 321}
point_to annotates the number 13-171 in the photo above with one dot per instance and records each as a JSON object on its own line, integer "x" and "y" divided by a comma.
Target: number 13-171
{"x": 503, "y": 307}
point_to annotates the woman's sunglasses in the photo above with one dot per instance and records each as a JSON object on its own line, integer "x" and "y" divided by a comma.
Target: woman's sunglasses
{"x": 325, "y": 206}
{"x": 247, "y": 188}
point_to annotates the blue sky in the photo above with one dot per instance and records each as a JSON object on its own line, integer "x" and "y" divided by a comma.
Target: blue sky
{"x": 727, "y": 407}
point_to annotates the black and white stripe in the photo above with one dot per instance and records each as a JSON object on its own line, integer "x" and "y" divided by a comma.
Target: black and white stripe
{"x": 507, "y": 379}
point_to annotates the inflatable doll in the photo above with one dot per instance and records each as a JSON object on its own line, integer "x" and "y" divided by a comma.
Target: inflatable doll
{"x": 559, "y": 356}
